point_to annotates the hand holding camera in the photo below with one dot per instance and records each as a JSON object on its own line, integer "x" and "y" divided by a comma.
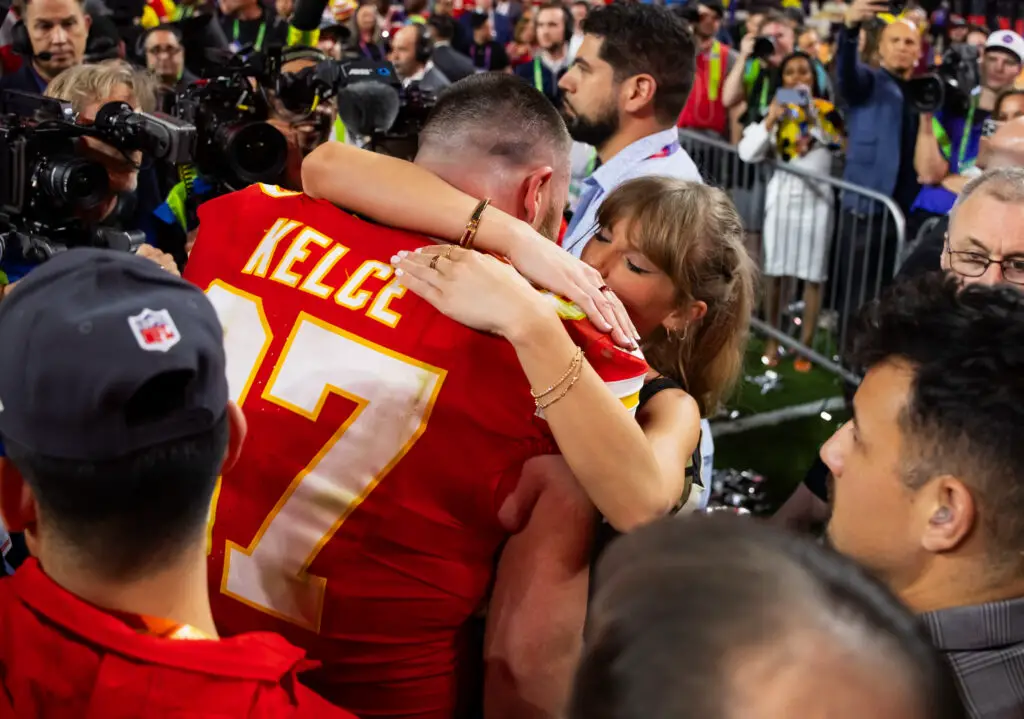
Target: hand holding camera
{"x": 860, "y": 11}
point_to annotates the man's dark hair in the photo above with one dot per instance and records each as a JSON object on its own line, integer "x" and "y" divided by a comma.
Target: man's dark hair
{"x": 444, "y": 27}
{"x": 477, "y": 20}
{"x": 127, "y": 517}
{"x": 964, "y": 415}
{"x": 681, "y": 603}
{"x": 464, "y": 117}
{"x": 648, "y": 39}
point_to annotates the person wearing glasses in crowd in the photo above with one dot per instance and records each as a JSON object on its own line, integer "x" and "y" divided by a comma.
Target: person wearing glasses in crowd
{"x": 165, "y": 59}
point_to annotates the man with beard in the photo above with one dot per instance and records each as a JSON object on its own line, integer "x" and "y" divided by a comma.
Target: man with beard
{"x": 623, "y": 94}
{"x": 554, "y": 27}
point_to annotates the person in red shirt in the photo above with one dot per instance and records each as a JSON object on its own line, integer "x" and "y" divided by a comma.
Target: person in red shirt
{"x": 393, "y": 451}
{"x": 115, "y": 416}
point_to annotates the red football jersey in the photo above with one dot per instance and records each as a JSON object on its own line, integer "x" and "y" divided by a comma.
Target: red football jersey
{"x": 361, "y": 520}
{"x": 63, "y": 657}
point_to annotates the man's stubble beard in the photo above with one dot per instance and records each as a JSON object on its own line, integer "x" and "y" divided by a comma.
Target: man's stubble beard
{"x": 595, "y": 132}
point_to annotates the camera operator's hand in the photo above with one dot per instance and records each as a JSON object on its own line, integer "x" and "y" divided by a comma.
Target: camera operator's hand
{"x": 747, "y": 46}
{"x": 860, "y": 11}
{"x": 161, "y": 258}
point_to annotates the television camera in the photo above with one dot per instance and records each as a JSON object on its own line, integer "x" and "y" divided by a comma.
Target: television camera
{"x": 46, "y": 188}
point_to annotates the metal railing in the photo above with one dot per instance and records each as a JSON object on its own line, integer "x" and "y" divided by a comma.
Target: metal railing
{"x": 825, "y": 247}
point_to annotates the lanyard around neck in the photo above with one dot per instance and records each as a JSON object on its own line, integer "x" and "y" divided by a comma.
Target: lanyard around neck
{"x": 258, "y": 45}
{"x": 538, "y": 77}
{"x": 715, "y": 71}
{"x": 487, "y": 55}
{"x": 965, "y": 136}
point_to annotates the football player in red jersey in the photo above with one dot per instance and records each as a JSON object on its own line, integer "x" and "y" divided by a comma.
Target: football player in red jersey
{"x": 392, "y": 452}
{"x": 115, "y": 415}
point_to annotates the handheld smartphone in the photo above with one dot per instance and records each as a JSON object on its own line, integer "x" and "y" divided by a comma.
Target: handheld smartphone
{"x": 792, "y": 96}
{"x": 989, "y": 127}
{"x": 897, "y": 6}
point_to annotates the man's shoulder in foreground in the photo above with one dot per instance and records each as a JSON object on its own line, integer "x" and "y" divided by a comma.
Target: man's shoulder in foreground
{"x": 254, "y": 675}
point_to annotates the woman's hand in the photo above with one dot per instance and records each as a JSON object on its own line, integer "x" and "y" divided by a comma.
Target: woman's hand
{"x": 549, "y": 266}
{"x": 474, "y": 289}
{"x": 775, "y": 113}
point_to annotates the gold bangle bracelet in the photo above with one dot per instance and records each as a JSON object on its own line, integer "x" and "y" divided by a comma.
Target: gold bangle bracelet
{"x": 469, "y": 234}
{"x": 565, "y": 390}
{"x": 577, "y": 358}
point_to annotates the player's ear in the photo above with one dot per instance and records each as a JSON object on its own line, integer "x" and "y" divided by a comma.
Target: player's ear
{"x": 236, "y": 437}
{"x": 535, "y": 186}
{"x": 17, "y": 502}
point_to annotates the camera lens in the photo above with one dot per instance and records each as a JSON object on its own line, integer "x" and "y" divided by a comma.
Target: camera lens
{"x": 255, "y": 152}
{"x": 73, "y": 182}
{"x": 926, "y": 93}
{"x": 764, "y": 47}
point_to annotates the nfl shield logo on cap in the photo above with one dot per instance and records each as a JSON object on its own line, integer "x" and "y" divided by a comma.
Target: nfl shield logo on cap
{"x": 154, "y": 330}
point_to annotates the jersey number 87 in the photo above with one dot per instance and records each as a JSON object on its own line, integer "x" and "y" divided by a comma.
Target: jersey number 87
{"x": 394, "y": 395}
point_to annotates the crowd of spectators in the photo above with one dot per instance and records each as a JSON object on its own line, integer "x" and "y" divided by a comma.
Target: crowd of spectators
{"x": 426, "y": 434}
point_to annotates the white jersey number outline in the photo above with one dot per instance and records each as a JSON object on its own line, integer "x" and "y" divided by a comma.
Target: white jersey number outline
{"x": 394, "y": 395}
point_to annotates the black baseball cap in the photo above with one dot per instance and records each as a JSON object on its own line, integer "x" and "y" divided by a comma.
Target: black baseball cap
{"x": 103, "y": 354}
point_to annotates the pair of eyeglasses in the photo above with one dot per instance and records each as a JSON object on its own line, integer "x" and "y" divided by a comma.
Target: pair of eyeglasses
{"x": 156, "y": 51}
{"x": 975, "y": 264}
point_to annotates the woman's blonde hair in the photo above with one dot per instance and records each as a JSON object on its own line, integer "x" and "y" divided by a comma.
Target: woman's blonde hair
{"x": 694, "y": 235}
{"x": 83, "y": 85}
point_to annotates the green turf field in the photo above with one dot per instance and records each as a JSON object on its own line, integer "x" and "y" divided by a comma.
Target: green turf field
{"x": 781, "y": 451}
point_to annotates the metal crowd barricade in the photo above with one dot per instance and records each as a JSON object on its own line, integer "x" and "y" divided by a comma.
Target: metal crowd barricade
{"x": 804, "y": 226}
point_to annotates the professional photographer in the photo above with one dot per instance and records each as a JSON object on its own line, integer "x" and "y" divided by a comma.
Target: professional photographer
{"x": 948, "y": 141}
{"x": 88, "y": 88}
{"x": 750, "y": 80}
{"x": 305, "y": 129}
{"x": 165, "y": 59}
{"x": 52, "y": 35}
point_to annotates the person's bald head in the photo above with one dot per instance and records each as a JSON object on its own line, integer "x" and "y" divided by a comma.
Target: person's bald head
{"x": 900, "y": 47}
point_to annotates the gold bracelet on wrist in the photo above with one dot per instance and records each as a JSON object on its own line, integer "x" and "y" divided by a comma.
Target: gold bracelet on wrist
{"x": 577, "y": 358}
{"x": 565, "y": 390}
{"x": 469, "y": 234}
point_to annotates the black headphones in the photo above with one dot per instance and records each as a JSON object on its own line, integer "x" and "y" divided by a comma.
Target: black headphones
{"x": 20, "y": 42}
{"x": 424, "y": 43}
{"x": 140, "y": 42}
{"x": 568, "y": 21}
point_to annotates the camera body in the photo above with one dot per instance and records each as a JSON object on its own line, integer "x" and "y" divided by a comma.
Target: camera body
{"x": 45, "y": 187}
{"x": 950, "y": 86}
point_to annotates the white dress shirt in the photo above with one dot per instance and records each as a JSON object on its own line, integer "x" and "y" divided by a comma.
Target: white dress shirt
{"x": 657, "y": 154}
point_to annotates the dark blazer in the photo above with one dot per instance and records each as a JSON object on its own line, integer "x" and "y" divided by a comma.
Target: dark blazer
{"x": 873, "y": 118}
{"x": 434, "y": 81}
{"x": 548, "y": 79}
{"x": 502, "y": 27}
{"x": 452, "y": 63}
{"x": 24, "y": 80}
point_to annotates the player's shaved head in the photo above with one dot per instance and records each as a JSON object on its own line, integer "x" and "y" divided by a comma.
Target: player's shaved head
{"x": 497, "y": 116}
{"x": 489, "y": 133}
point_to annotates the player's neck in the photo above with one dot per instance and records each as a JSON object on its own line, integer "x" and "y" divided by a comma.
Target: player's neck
{"x": 178, "y": 592}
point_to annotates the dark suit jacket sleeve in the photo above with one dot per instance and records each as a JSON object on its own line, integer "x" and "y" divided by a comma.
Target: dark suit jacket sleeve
{"x": 856, "y": 81}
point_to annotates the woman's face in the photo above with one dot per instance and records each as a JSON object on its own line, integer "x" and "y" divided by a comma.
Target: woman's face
{"x": 647, "y": 292}
{"x": 797, "y": 72}
{"x": 1011, "y": 108}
